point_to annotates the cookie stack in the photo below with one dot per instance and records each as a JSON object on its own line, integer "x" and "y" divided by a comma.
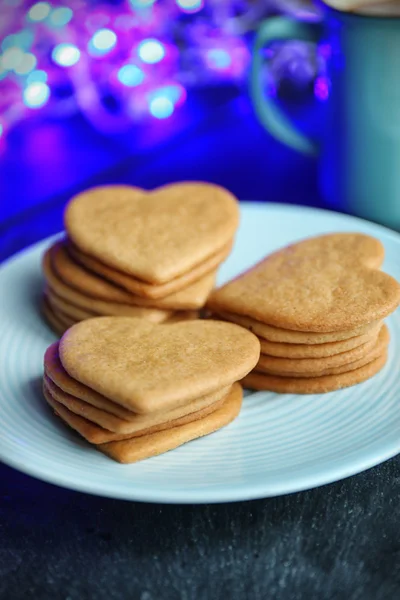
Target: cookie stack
{"x": 317, "y": 308}
{"x": 151, "y": 255}
{"x": 135, "y": 389}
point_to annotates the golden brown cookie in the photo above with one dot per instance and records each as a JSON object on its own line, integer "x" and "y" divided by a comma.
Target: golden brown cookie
{"x": 153, "y": 236}
{"x": 182, "y": 315}
{"x": 299, "y": 366}
{"x": 77, "y": 277}
{"x": 276, "y": 334}
{"x": 377, "y": 350}
{"x": 315, "y": 350}
{"x": 146, "y": 290}
{"x": 88, "y": 283}
{"x": 57, "y": 322}
{"x": 315, "y": 385}
{"x": 59, "y": 314}
{"x": 65, "y": 311}
{"x": 98, "y": 434}
{"x": 73, "y": 297}
{"x": 91, "y": 432}
{"x": 149, "y": 368}
{"x": 72, "y": 311}
{"x": 330, "y": 283}
{"x": 56, "y": 372}
{"x": 135, "y": 423}
{"x": 146, "y": 446}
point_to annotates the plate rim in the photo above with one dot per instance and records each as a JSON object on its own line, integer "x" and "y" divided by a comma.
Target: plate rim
{"x": 191, "y": 496}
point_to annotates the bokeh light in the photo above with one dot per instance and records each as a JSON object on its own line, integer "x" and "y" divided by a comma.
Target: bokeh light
{"x": 218, "y": 58}
{"x": 8, "y": 41}
{"x": 11, "y": 58}
{"x": 130, "y": 75}
{"x": 36, "y": 94}
{"x": 151, "y": 51}
{"x": 141, "y": 3}
{"x": 23, "y": 39}
{"x": 39, "y": 11}
{"x": 65, "y": 55}
{"x": 190, "y": 6}
{"x": 102, "y": 42}
{"x": 161, "y": 107}
{"x": 37, "y": 76}
{"x": 27, "y": 64}
{"x": 174, "y": 92}
{"x": 61, "y": 16}
{"x": 142, "y": 49}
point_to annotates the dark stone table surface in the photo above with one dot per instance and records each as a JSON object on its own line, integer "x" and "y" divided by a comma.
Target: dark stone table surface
{"x": 338, "y": 542}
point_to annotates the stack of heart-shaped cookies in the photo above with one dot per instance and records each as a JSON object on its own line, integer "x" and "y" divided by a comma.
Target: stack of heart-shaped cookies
{"x": 136, "y": 389}
{"x": 128, "y": 252}
{"x": 317, "y": 307}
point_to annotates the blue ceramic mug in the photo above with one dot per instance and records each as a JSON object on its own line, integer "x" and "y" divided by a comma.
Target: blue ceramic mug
{"x": 359, "y": 147}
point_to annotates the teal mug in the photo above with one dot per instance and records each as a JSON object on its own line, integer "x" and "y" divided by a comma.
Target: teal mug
{"x": 359, "y": 147}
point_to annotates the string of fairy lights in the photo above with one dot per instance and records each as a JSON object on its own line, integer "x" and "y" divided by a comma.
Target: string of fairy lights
{"x": 118, "y": 61}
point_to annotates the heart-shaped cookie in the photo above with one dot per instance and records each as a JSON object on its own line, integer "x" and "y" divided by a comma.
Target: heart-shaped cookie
{"x": 59, "y": 322}
{"x": 75, "y": 276}
{"x": 331, "y": 365}
{"x": 287, "y": 336}
{"x": 324, "y": 284}
{"x": 151, "y": 291}
{"x": 137, "y": 423}
{"x": 56, "y": 372}
{"x": 150, "y": 368}
{"x": 86, "y": 305}
{"x": 314, "y": 385}
{"x": 315, "y": 350}
{"x": 145, "y": 446}
{"x": 280, "y": 366}
{"x": 153, "y": 236}
{"x": 98, "y": 435}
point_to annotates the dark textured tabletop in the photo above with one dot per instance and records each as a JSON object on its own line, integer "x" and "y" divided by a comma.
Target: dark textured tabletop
{"x": 337, "y": 542}
{"x": 340, "y": 541}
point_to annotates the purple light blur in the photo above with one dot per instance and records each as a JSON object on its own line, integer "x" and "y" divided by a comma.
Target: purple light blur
{"x": 97, "y": 20}
{"x": 325, "y": 51}
{"x": 321, "y": 88}
{"x": 127, "y": 49}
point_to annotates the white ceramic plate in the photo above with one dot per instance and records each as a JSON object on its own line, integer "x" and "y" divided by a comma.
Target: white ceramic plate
{"x": 279, "y": 444}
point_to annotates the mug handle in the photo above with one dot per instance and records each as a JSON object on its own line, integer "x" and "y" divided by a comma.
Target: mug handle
{"x": 269, "y": 114}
